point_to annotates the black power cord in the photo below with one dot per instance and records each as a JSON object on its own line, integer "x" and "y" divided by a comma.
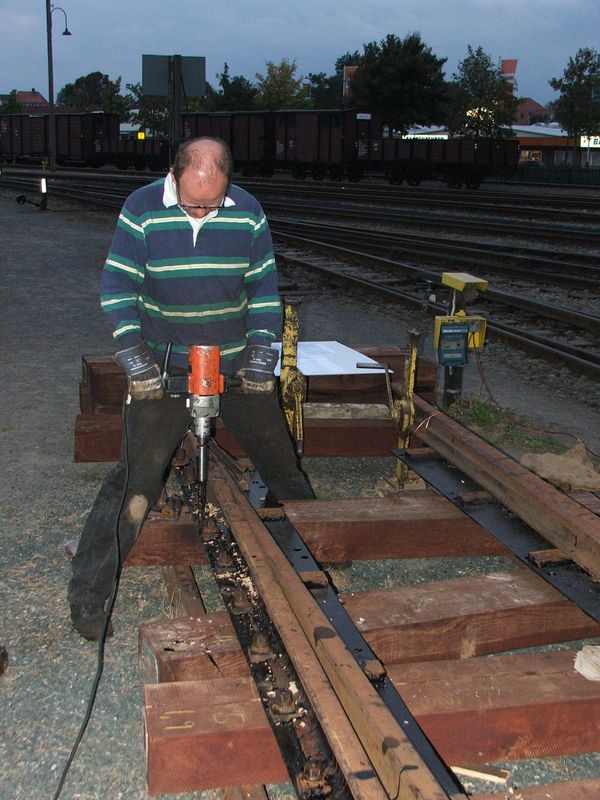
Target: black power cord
{"x": 102, "y": 641}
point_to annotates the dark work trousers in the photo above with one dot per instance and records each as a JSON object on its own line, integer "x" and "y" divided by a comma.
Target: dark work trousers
{"x": 152, "y": 432}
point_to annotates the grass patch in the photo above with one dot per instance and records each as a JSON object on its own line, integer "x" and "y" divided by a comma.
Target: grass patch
{"x": 503, "y": 427}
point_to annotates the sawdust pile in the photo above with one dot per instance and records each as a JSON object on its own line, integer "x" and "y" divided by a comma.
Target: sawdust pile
{"x": 570, "y": 471}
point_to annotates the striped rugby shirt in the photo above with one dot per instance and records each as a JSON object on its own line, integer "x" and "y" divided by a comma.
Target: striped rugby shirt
{"x": 164, "y": 282}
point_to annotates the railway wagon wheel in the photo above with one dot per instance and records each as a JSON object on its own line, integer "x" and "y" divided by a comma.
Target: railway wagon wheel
{"x": 299, "y": 171}
{"x": 354, "y": 174}
{"x": 395, "y": 177}
{"x": 473, "y": 181}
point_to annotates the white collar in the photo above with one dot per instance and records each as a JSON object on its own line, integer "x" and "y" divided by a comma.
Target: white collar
{"x": 170, "y": 199}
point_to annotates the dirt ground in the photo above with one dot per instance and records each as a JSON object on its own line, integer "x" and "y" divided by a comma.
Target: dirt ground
{"x": 50, "y": 265}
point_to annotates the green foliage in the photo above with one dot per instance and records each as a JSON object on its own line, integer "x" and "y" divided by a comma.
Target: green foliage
{"x": 403, "y": 80}
{"x": 325, "y": 90}
{"x": 236, "y": 93}
{"x": 95, "y": 92}
{"x": 347, "y": 60}
{"x": 11, "y": 105}
{"x": 578, "y": 107}
{"x": 148, "y": 112}
{"x": 481, "y": 100}
{"x": 279, "y": 88}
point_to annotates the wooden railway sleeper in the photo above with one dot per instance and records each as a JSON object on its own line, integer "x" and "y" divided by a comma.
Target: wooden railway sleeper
{"x": 388, "y": 737}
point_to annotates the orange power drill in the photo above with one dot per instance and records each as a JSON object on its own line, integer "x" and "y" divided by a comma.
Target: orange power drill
{"x": 204, "y": 385}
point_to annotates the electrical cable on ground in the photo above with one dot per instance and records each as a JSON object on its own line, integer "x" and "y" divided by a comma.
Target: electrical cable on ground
{"x": 102, "y": 641}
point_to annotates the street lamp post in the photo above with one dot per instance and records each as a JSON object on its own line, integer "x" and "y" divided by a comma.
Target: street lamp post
{"x": 50, "y": 9}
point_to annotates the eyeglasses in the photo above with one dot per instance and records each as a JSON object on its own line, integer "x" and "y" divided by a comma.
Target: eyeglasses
{"x": 189, "y": 207}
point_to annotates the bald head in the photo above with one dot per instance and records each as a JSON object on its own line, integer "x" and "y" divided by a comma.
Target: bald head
{"x": 206, "y": 157}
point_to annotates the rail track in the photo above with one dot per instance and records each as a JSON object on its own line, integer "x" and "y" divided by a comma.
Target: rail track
{"x": 584, "y": 203}
{"x": 520, "y": 262}
{"x": 559, "y": 331}
{"x": 453, "y": 676}
{"x": 443, "y": 666}
{"x": 553, "y": 343}
{"x": 409, "y": 690}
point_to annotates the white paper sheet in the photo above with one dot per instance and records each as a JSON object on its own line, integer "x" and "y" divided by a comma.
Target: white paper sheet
{"x": 329, "y": 358}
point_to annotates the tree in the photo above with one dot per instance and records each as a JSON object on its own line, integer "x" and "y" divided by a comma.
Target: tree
{"x": 147, "y": 111}
{"x": 95, "y": 92}
{"x": 236, "y": 93}
{"x": 402, "y": 79}
{"x": 279, "y": 88}
{"x": 10, "y": 104}
{"x": 481, "y": 100}
{"x": 578, "y": 107}
{"x": 325, "y": 90}
{"x": 347, "y": 60}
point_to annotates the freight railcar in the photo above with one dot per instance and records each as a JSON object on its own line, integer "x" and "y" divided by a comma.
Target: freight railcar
{"x": 304, "y": 142}
{"x": 322, "y": 143}
{"x": 455, "y": 161}
{"x": 346, "y": 143}
{"x": 90, "y": 139}
{"x": 24, "y": 137}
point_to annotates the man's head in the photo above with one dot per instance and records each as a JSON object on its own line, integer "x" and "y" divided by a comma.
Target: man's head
{"x": 202, "y": 172}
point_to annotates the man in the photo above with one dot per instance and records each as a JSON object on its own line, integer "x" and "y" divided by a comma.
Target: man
{"x": 191, "y": 262}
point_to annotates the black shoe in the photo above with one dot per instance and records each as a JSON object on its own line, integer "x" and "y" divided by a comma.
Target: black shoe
{"x": 89, "y": 622}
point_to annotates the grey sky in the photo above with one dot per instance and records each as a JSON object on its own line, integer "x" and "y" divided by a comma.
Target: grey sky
{"x": 111, "y": 36}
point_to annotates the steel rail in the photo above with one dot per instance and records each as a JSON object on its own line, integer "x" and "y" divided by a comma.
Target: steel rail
{"x": 572, "y": 197}
{"x": 479, "y": 254}
{"x": 402, "y": 768}
{"x": 494, "y": 203}
{"x": 535, "y": 345}
{"x": 421, "y": 246}
{"x": 530, "y": 228}
{"x": 564, "y": 522}
{"x": 551, "y": 311}
{"x": 521, "y": 539}
{"x": 527, "y": 229}
{"x": 538, "y": 345}
{"x": 557, "y": 206}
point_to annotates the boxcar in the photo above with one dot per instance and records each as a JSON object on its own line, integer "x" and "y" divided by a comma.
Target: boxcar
{"x": 338, "y": 143}
{"x": 79, "y": 137}
{"x": 248, "y": 134}
{"x": 455, "y": 161}
{"x": 23, "y": 137}
{"x": 342, "y": 143}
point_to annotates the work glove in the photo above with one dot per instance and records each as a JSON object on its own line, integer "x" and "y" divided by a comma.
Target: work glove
{"x": 256, "y": 373}
{"x": 144, "y": 381}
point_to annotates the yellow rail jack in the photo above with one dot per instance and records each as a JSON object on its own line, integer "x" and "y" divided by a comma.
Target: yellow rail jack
{"x": 292, "y": 381}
